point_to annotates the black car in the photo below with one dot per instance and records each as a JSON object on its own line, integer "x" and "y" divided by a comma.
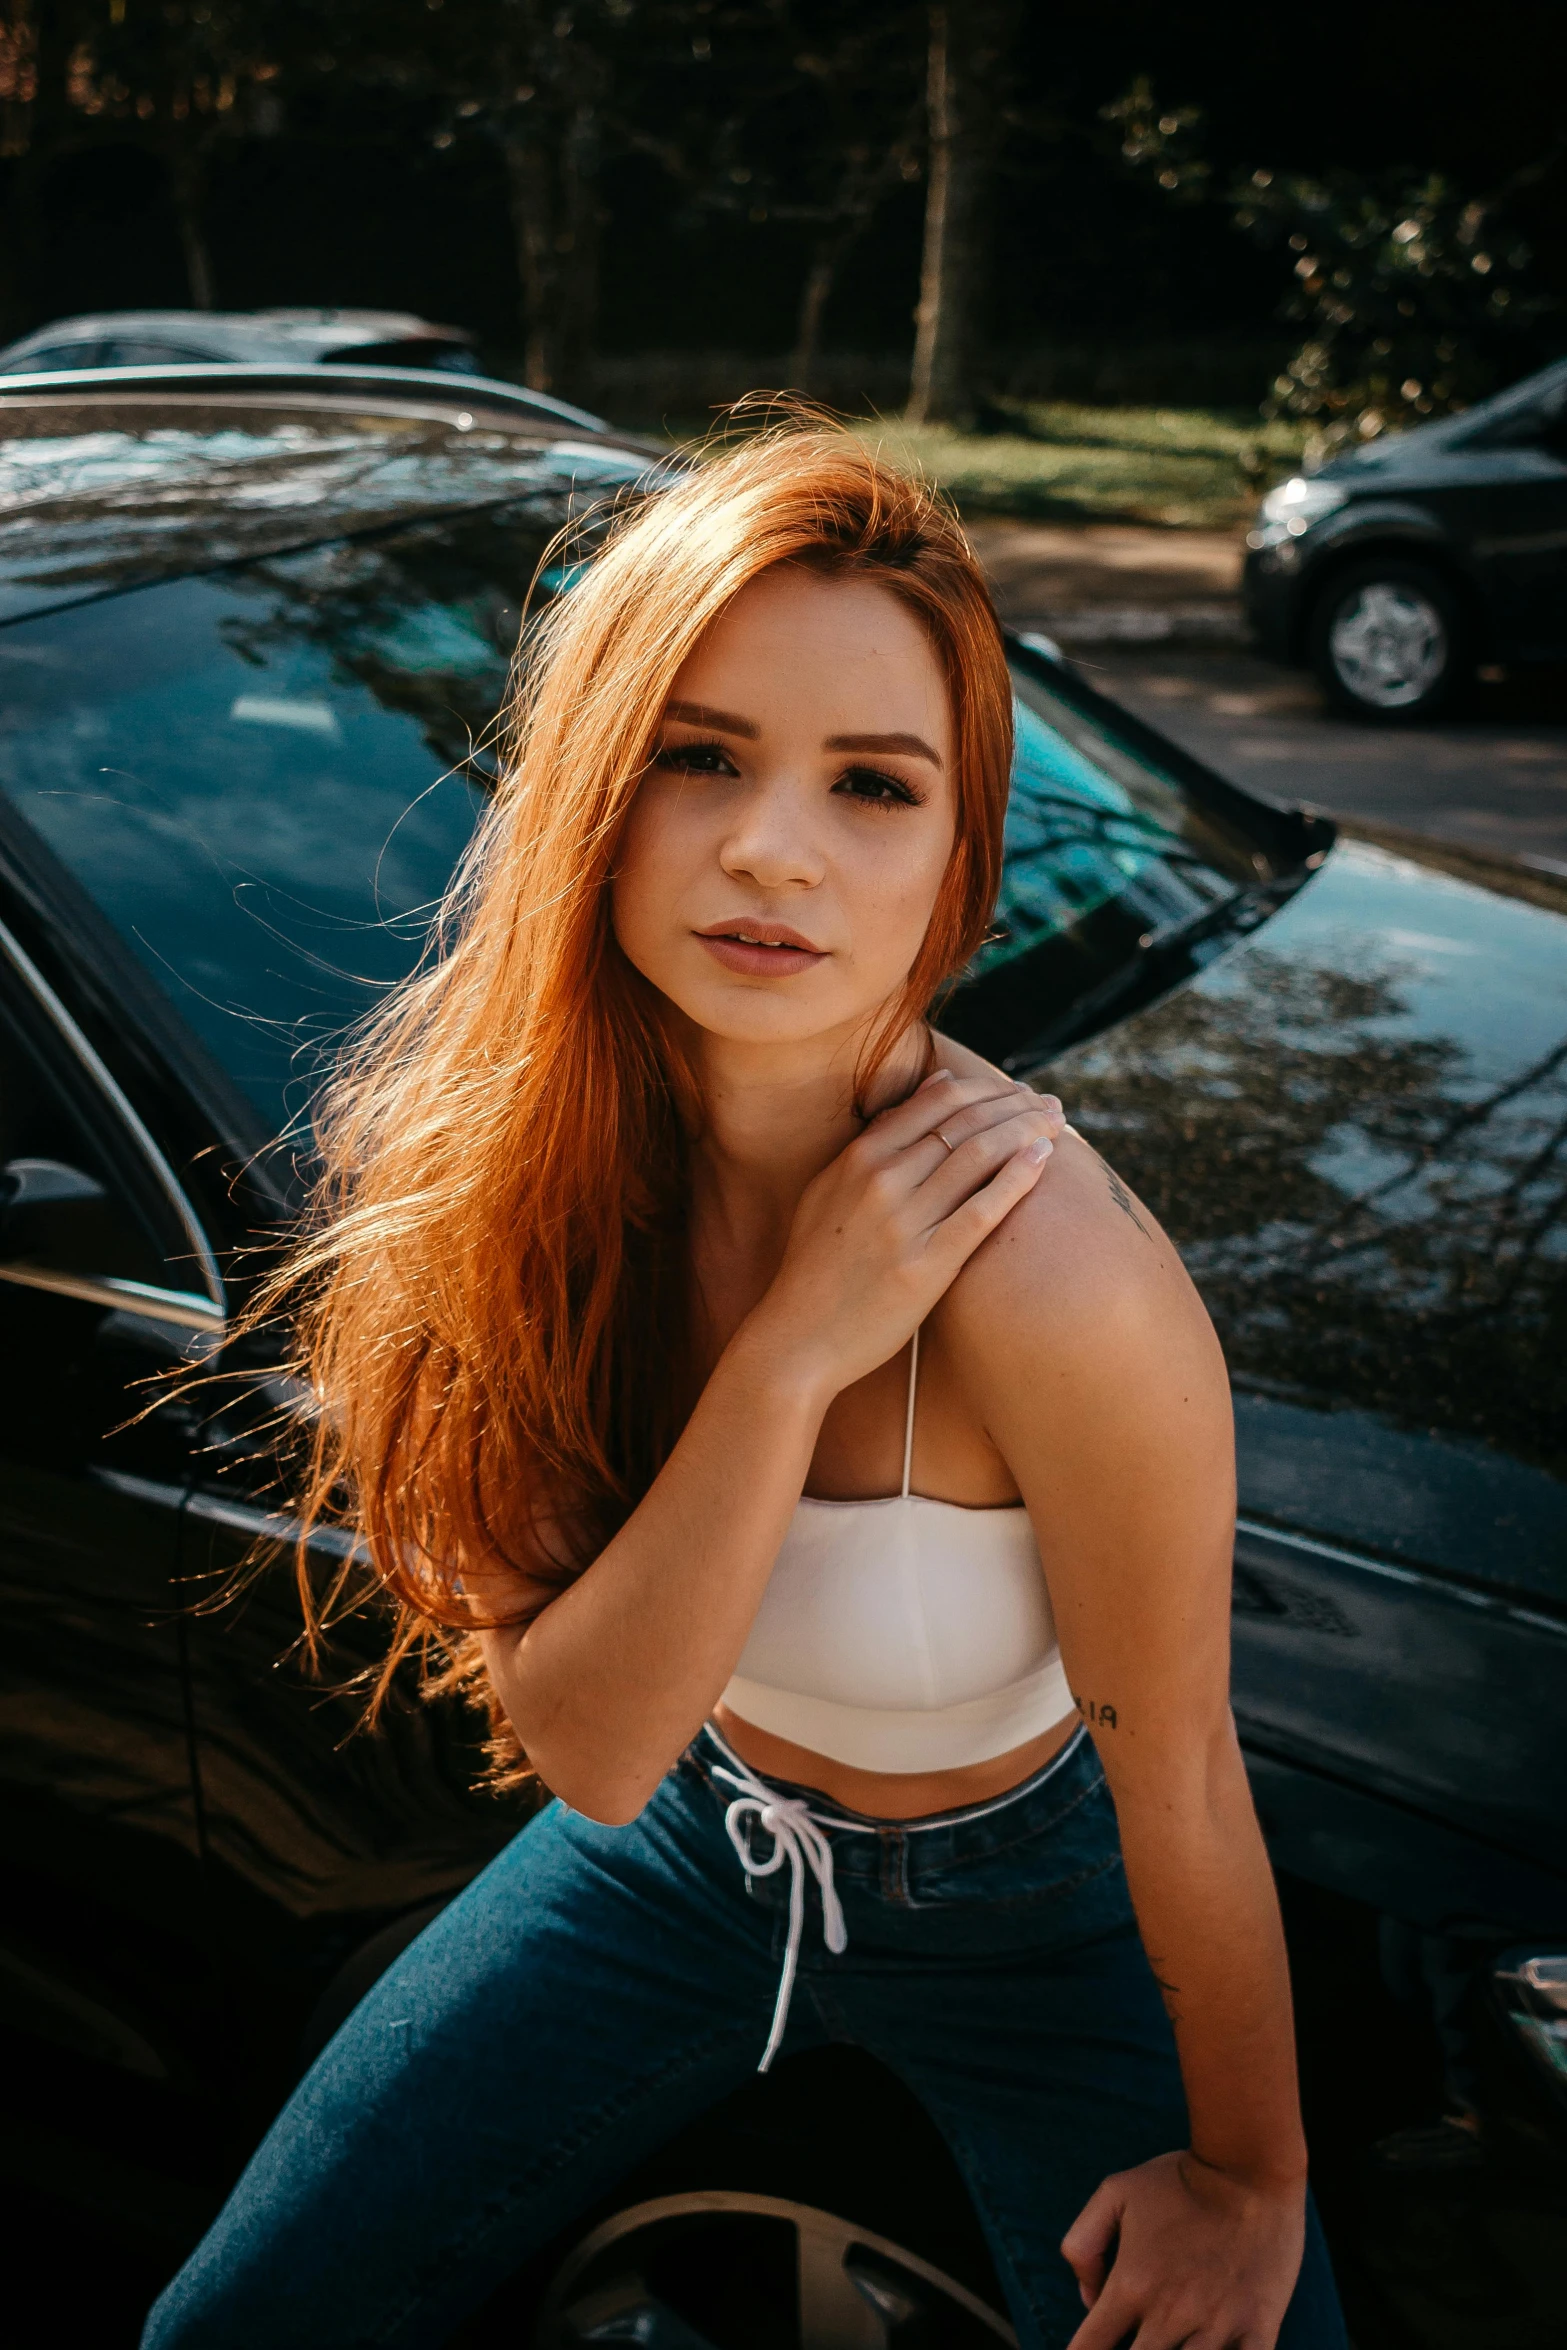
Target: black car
{"x": 1402, "y": 566}
{"x": 253, "y": 635}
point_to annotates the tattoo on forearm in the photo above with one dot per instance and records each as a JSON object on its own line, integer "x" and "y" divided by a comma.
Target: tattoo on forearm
{"x": 1124, "y": 1200}
{"x": 1102, "y": 1716}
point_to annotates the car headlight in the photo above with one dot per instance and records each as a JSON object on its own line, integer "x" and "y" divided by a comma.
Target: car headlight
{"x": 1532, "y": 1987}
{"x": 1299, "y": 502}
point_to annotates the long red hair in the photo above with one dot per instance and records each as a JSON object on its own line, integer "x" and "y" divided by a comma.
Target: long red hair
{"x": 489, "y": 1294}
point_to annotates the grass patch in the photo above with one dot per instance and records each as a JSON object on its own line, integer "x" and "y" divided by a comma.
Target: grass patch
{"x": 1190, "y": 468}
{"x": 1061, "y": 461}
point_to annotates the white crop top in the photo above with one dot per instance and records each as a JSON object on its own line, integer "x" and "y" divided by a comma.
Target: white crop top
{"x": 904, "y": 1634}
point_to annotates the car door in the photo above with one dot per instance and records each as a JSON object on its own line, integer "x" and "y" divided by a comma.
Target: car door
{"x": 106, "y": 1283}
{"x": 1507, "y": 499}
{"x": 259, "y": 783}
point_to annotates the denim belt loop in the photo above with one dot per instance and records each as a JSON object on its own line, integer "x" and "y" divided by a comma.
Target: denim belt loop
{"x": 799, "y": 1840}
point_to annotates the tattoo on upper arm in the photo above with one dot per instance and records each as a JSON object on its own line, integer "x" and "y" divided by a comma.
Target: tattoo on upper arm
{"x": 1124, "y": 1200}
{"x": 1102, "y": 1716}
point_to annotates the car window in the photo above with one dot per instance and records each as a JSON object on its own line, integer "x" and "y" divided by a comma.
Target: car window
{"x": 1094, "y": 827}
{"x": 449, "y": 358}
{"x": 1119, "y": 875}
{"x": 55, "y": 355}
{"x": 122, "y": 351}
{"x": 265, "y": 777}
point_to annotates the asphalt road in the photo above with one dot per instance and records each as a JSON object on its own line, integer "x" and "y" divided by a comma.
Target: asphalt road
{"x": 1154, "y": 617}
{"x": 1493, "y": 776}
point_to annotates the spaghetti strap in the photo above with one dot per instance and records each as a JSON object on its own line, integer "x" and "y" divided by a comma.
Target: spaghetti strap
{"x": 908, "y": 1424}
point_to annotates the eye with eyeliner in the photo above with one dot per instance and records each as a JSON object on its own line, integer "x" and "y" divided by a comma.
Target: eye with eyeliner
{"x": 888, "y": 791}
{"x": 872, "y": 786}
{"x": 695, "y": 758}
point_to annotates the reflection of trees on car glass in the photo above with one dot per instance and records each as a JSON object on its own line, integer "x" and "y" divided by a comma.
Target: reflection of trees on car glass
{"x": 263, "y": 777}
{"x": 1369, "y": 1217}
{"x": 1090, "y": 825}
{"x": 124, "y": 502}
{"x": 426, "y": 621}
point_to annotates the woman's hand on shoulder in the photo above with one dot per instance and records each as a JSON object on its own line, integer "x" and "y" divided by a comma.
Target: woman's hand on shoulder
{"x": 1079, "y": 1284}
{"x": 1177, "y": 2251}
{"x": 881, "y": 1234}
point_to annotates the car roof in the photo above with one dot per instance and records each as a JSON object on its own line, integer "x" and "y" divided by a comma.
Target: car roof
{"x": 114, "y": 478}
{"x": 242, "y": 334}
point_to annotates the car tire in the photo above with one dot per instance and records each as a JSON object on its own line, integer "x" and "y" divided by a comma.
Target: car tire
{"x": 1388, "y": 641}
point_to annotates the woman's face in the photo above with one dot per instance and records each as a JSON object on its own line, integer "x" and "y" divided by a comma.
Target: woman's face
{"x": 783, "y": 854}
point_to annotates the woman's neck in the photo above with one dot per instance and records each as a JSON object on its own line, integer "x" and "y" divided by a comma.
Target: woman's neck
{"x": 773, "y": 1117}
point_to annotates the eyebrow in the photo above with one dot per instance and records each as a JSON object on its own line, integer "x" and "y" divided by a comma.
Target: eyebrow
{"x": 721, "y": 721}
{"x": 912, "y": 746}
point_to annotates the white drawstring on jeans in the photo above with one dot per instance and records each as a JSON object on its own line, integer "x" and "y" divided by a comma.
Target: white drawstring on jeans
{"x": 797, "y": 1839}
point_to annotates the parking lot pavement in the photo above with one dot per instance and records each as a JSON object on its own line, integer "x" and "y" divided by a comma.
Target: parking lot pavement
{"x": 1153, "y": 616}
{"x": 1493, "y": 777}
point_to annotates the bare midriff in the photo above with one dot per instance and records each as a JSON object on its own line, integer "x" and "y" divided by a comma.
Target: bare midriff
{"x": 890, "y": 1795}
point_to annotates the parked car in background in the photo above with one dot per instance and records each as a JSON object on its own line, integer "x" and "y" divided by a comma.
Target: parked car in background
{"x": 1402, "y": 566}
{"x": 171, "y": 338}
{"x": 254, "y": 628}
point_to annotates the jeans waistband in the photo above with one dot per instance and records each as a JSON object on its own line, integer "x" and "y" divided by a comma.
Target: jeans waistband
{"x": 797, "y": 1819}
{"x": 949, "y": 1824}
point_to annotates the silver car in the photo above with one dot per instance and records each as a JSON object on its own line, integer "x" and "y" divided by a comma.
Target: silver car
{"x": 173, "y": 338}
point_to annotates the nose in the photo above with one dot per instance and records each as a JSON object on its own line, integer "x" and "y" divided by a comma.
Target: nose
{"x": 771, "y": 840}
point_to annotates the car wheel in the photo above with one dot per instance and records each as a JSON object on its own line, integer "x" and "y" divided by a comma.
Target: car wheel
{"x": 1387, "y": 642}
{"x": 726, "y": 2271}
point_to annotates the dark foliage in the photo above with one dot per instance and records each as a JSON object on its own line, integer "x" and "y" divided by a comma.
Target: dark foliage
{"x": 1409, "y": 290}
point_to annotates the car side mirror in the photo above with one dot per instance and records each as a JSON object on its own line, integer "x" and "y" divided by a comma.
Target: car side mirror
{"x": 58, "y": 1218}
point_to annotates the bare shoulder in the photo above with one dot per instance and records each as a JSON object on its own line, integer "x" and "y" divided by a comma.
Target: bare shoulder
{"x": 1083, "y": 1271}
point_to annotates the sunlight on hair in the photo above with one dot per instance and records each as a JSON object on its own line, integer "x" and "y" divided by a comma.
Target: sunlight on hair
{"x": 499, "y": 1224}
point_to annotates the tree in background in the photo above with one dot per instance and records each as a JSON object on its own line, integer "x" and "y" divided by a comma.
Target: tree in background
{"x": 176, "y": 77}
{"x": 1405, "y": 286}
{"x": 813, "y": 115}
{"x": 871, "y": 144}
{"x": 24, "y": 76}
{"x": 18, "y": 77}
{"x": 969, "y": 83}
{"x": 540, "y": 81}
{"x": 179, "y": 77}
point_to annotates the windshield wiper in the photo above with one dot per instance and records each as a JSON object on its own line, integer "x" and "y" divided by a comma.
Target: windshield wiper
{"x": 1256, "y": 898}
{"x": 1157, "y": 963}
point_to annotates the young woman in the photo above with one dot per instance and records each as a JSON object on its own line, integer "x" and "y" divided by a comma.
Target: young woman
{"x": 825, "y": 1463}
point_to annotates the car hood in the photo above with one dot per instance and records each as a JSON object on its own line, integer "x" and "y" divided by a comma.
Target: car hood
{"x": 1354, "y": 1126}
{"x": 1420, "y": 451}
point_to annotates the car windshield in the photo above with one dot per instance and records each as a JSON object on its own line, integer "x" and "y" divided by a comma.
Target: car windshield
{"x": 1093, "y": 824}
{"x": 264, "y": 777}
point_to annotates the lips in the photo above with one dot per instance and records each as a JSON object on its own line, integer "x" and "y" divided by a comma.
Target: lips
{"x": 760, "y": 950}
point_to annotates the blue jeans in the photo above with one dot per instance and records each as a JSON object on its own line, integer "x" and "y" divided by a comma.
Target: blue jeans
{"x": 597, "y": 1988}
